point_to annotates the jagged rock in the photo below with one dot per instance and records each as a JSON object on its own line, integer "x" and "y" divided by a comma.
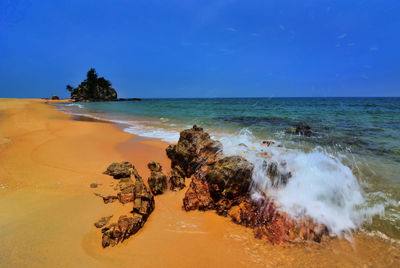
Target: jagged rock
{"x": 126, "y": 187}
{"x": 55, "y": 97}
{"x": 102, "y": 222}
{"x": 123, "y": 229}
{"x": 198, "y": 196}
{"x": 229, "y": 178}
{"x": 143, "y": 202}
{"x": 176, "y": 179}
{"x": 194, "y": 149}
{"x": 303, "y": 129}
{"x": 157, "y": 181}
{"x": 119, "y": 170}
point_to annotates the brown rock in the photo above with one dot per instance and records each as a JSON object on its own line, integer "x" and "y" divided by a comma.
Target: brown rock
{"x": 198, "y": 196}
{"x": 154, "y": 166}
{"x": 119, "y": 170}
{"x": 143, "y": 203}
{"x": 176, "y": 179}
{"x": 109, "y": 199}
{"x": 194, "y": 149}
{"x": 123, "y": 229}
{"x": 229, "y": 178}
{"x": 157, "y": 181}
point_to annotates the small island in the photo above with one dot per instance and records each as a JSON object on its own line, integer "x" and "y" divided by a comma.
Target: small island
{"x": 93, "y": 88}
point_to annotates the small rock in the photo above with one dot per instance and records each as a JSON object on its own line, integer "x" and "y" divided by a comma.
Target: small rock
{"x": 154, "y": 166}
{"x": 94, "y": 185}
{"x": 55, "y": 97}
{"x": 119, "y": 170}
{"x": 102, "y": 222}
{"x": 109, "y": 199}
{"x": 303, "y": 129}
{"x": 157, "y": 181}
{"x": 198, "y": 197}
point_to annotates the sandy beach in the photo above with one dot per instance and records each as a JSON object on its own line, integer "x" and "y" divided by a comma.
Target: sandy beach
{"x": 47, "y": 207}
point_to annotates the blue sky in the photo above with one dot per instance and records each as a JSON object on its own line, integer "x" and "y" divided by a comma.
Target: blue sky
{"x": 202, "y": 48}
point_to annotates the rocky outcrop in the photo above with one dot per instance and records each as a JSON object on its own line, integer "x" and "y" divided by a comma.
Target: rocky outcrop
{"x": 157, "y": 181}
{"x": 123, "y": 229}
{"x": 93, "y": 88}
{"x": 55, "y": 97}
{"x": 194, "y": 149}
{"x": 198, "y": 197}
{"x": 119, "y": 170}
{"x": 131, "y": 190}
{"x": 229, "y": 178}
{"x": 176, "y": 179}
{"x": 223, "y": 184}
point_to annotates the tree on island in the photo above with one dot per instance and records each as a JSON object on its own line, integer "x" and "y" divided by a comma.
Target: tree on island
{"x": 93, "y": 88}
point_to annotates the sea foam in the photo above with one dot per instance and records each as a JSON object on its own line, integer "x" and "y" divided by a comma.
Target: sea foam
{"x": 321, "y": 186}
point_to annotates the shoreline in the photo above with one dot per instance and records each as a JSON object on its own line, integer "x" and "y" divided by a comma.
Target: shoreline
{"x": 47, "y": 162}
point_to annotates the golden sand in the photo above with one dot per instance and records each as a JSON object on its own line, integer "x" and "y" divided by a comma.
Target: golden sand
{"x": 47, "y": 208}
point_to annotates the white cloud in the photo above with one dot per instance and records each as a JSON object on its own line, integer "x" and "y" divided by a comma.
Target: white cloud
{"x": 343, "y": 35}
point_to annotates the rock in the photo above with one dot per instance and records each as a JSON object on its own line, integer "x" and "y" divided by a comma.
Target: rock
{"x": 119, "y": 170}
{"x": 109, "y": 199}
{"x": 93, "y": 89}
{"x": 194, "y": 149}
{"x": 55, "y": 97}
{"x": 176, "y": 179}
{"x": 267, "y": 143}
{"x": 143, "y": 202}
{"x": 277, "y": 177}
{"x": 94, "y": 185}
{"x": 126, "y": 187}
{"x": 102, "y": 222}
{"x": 157, "y": 181}
{"x": 154, "y": 166}
{"x": 303, "y": 129}
{"x": 198, "y": 197}
{"x": 229, "y": 178}
{"x": 123, "y": 229}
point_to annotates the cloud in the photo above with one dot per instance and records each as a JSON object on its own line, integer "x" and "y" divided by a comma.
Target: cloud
{"x": 343, "y": 35}
{"x": 373, "y": 48}
{"x": 231, "y": 29}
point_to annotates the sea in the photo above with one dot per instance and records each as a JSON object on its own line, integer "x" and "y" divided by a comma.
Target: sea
{"x": 346, "y": 175}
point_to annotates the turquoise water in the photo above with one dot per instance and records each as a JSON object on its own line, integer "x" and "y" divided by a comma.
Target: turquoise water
{"x": 355, "y": 148}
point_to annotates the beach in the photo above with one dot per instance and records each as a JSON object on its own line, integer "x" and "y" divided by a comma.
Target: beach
{"x": 47, "y": 207}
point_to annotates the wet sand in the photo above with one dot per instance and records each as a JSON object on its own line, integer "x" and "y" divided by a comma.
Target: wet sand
{"x": 47, "y": 208}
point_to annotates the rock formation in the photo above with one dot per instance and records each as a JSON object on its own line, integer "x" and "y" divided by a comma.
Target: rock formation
{"x": 223, "y": 184}
{"x": 93, "y": 88}
{"x": 132, "y": 190}
{"x": 119, "y": 170}
{"x": 157, "y": 181}
{"x": 176, "y": 179}
{"x": 194, "y": 149}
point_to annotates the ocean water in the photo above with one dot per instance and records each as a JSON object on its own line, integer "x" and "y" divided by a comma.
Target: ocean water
{"x": 346, "y": 175}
